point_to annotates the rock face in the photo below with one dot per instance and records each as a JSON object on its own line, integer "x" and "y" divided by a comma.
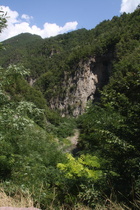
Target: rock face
{"x": 82, "y": 86}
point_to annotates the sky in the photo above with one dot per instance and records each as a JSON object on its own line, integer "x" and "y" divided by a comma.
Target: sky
{"x": 52, "y": 17}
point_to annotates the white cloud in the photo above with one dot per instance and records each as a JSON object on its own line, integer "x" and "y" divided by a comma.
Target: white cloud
{"x": 17, "y": 25}
{"x": 26, "y": 17}
{"x": 129, "y": 6}
{"x": 53, "y": 29}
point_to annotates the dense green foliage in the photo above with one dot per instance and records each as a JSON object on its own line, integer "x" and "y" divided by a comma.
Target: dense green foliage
{"x": 111, "y": 128}
{"x": 32, "y": 138}
{"x": 29, "y": 150}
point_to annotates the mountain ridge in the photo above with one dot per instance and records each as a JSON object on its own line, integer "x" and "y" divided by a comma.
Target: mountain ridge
{"x": 59, "y": 58}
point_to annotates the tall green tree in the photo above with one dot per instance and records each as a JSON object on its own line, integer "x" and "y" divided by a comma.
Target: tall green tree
{"x": 3, "y": 20}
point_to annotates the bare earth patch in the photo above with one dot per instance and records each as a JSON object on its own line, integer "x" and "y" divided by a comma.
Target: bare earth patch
{"x": 74, "y": 140}
{"x": 18, "y": 202}
{"x": 16, "y": 208}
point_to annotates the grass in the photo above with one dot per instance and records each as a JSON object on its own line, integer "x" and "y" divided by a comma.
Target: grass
{"x": 112, "y": 206}
{"x": 18, "y": 200}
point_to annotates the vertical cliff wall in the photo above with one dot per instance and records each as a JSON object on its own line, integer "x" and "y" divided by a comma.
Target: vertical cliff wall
{"x": 82, "y": 85}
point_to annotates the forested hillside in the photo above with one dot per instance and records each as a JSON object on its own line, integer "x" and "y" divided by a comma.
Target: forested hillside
{"x": 93, "y": 75}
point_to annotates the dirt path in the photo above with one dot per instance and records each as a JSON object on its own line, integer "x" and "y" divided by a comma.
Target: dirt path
{"x": 74, "y": 140}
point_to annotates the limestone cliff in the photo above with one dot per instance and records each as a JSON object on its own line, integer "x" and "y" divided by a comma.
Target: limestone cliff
{"x": 82, "y": 85}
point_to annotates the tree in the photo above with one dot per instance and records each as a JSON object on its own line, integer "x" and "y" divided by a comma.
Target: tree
{"x": 138, "y": 7}
{"x": 3, "y": 20}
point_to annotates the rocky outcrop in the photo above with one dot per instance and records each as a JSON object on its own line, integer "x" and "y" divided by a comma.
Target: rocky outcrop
{"x": 31, "y": 81}
{"x": 82, "y": 85}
